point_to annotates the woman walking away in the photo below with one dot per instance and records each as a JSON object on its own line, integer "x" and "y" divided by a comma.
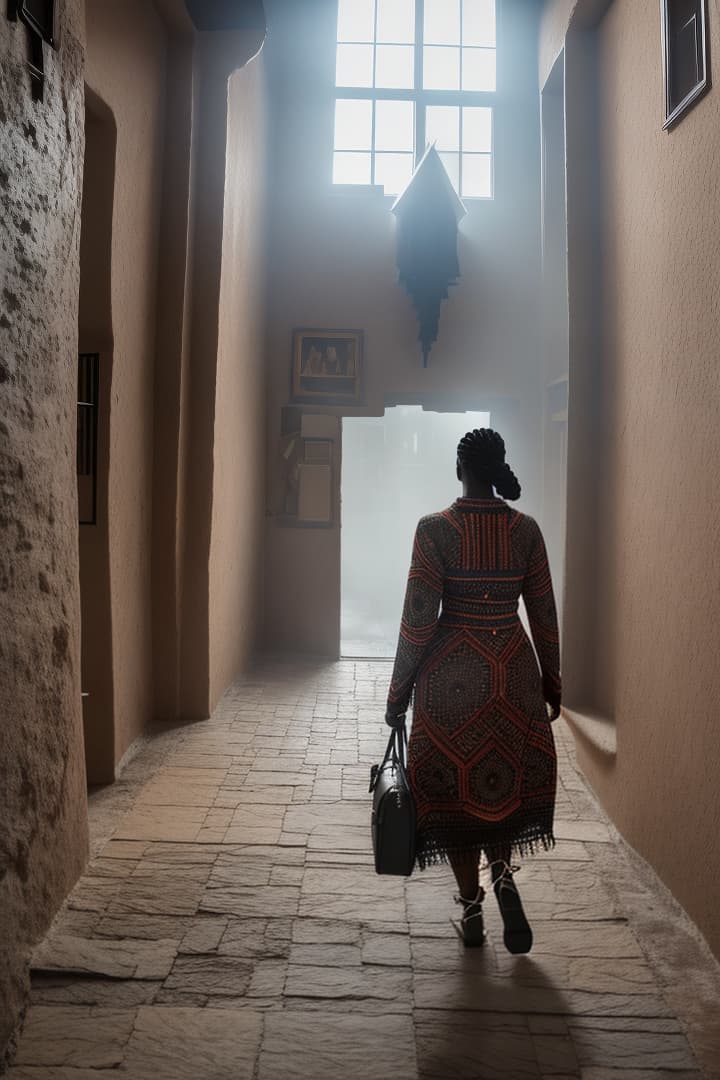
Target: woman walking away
{"x": 482, "y": 759}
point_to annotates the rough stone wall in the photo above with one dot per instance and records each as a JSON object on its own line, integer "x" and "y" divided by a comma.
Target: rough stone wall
{"x": 43, "y": 818}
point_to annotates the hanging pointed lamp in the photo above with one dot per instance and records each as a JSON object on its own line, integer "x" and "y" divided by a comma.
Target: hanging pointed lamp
{"x": 428, "y": 213}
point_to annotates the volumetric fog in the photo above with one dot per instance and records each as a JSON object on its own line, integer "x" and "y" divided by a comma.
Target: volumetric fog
{"x": 396, "y": 468}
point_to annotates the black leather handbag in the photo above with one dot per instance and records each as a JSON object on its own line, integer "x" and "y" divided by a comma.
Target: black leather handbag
{"x": 393, "y": 811}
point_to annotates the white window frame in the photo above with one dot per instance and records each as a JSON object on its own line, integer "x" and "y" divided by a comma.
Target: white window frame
{"x": 422, "y": 98}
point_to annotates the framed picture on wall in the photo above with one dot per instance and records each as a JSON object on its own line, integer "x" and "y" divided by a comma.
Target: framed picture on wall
{"x": 327, "y": 367}
{"x": 686, "y": 70}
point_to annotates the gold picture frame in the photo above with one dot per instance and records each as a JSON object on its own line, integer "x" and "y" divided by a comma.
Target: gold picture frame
{"x": 327, "y": 367}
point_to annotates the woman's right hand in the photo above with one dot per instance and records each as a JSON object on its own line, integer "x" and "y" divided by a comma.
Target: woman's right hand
{"x": 394, "y": 720}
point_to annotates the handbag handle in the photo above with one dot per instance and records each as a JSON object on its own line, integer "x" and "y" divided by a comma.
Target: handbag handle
{"x": 396, "y": 752}
{"x": 396, "y": 747}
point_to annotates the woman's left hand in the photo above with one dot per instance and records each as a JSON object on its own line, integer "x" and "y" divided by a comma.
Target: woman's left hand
{"x": 553, "y": 710}
{"x": 552, "y": 699}
{"x": 394, "y": 720}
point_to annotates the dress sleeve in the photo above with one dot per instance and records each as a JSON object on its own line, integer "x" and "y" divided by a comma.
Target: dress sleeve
{"x": 419, "y": 618}
{"x": 542, "y": 616}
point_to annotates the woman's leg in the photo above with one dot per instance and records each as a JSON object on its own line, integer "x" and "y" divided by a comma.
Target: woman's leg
{"x": 518, "y": 935}
{"x": 498, "y": 860}
{"x": 466, "y": 868}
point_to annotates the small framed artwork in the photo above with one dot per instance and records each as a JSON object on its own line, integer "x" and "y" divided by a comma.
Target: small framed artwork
{"x": 327, "y": 367}
{"x": 686, "y": 69}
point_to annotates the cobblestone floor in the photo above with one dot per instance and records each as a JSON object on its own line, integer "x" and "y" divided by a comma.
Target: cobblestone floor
{"x": 230, "y": 925}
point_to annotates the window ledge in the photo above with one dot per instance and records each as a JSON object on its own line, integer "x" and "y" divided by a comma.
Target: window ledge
{"x": 599, "y": 731}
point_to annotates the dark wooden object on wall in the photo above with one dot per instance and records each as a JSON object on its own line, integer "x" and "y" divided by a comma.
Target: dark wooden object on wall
{"x": 87, "y": 436}
{"x": 428, "y": 212}
{"x": 686, "y": 68}
{"x": 41, "y": 19}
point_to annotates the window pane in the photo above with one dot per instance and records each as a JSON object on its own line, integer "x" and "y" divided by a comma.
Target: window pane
{"x": 393, "y": 171}
{"x": 479, "y": 22}
{"x": 353, "y": 125}
{"x": 351, "y": 168}
{"x": 477, "y": 129}
{"x": 442, "y": 22}
{"x": 441, "y": 68}
{"x": 394, "y": 125}
{"x": 396, "y": 21}
{"x": 356, "y": 20}
{"x": 354, "y": 65}
{"x": 478, "y": 69}
{"x": 452, "y": 165}
{"x": 477, "y": 176}
{"x": 394, "y": 67}
{"x": 442, "y": 126}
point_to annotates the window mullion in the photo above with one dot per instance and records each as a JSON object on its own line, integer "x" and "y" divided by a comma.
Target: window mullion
{"x": 372, "y": 143}
{"x": 460, "y": 109}
{"x": 374, "y": 80}
{"x": 419, "y": 109}
{"x": 461, "y": 47}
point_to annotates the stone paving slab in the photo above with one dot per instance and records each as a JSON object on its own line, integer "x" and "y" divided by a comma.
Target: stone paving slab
{"x": 103, "y": 993}
{"x": 89, "y": 1038}
{"x": 231, "y": 924}
{"x": 476, "y": 1047}
{"x": 126, "y": 959}
{"x": 302, "y": 1045}
{"x": 189, "y": 1044}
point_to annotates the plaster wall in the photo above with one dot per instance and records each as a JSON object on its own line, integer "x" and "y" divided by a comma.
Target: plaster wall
{"x": 171, "y": 370}
{"x": 222, "y": 360}
{"x": 43, "y": 822}
{"x": 332, "y": 264}
{"x": 239, "y": 467}
{"x": 656, "y": 443}
{"x": 554, "y": 23}
{"x": 661, "y": 227}
{"x": 126, "y": 64}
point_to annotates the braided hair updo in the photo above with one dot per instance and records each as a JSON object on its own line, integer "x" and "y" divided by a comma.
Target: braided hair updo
{"x": 482, "y": 453}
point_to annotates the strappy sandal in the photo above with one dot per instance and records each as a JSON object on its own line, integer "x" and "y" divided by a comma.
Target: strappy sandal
{"x": 471, "y": 927}
{"x": 518, "y": 936}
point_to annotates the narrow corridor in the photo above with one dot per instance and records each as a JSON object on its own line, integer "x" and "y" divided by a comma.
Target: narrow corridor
{"x": 230, "y": 924}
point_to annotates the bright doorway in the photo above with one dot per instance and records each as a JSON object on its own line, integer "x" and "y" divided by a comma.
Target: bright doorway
{"x": 395, "y": 469}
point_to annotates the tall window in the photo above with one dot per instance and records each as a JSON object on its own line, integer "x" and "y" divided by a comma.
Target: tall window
{"x": 409, "y": 73}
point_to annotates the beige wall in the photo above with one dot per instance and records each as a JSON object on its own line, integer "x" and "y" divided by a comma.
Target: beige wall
{"x": 657, "y": 443}
{"x": 223, "y": 361}
{"x": 177, "y": 639}
{"x": 554, "y": 24}
{"x": 171, "y": 370}
{"x": 332, "y": 264}
{"x": 126, "y": 52}
{"x": 239, "y": 465}
{"x": 43, "y": 825}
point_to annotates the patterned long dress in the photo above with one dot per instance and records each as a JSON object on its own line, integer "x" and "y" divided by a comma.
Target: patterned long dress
{"x": 482, "y": 758}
